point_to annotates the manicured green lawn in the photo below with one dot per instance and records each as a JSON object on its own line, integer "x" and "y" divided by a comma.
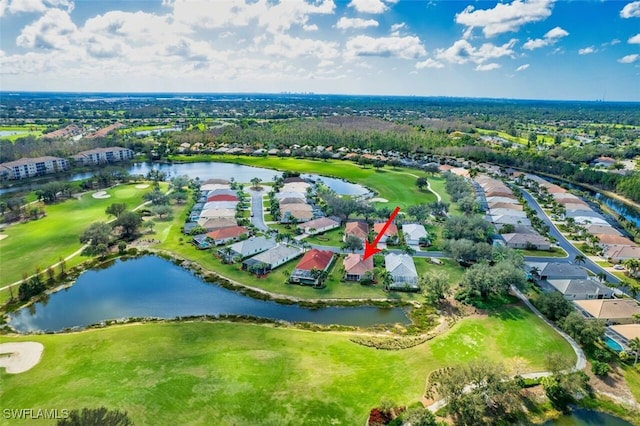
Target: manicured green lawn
{"x": 217, "y": 373}
{"x": 42, "y": 242}
{"x": 329, "y": 238}
{"x": 554, "y": 252}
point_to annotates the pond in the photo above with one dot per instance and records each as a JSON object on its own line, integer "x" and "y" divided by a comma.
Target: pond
{"x": 157, "y": 131}
{"x": 211, "y": 170}
{"x": 5, "y": 133}
{"x": 584, "y": 417}
{"x": 150, "y": 286}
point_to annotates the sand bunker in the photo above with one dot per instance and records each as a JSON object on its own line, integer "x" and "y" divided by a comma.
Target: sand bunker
{"x": 3, "y": 236}
{"x": 142, "y": 186}
{"x": 101, "y": 195}
{"x": 20, "y": 356}
{"x": 379, "y": 200}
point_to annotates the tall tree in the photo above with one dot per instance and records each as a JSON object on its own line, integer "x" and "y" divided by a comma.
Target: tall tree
{"x": 435, "y": 286}
{"x": 129, "y": 222}
{"x": 115, "y": 209}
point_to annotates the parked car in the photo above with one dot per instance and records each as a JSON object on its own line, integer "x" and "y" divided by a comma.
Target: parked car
{"x": 619, "y": 268}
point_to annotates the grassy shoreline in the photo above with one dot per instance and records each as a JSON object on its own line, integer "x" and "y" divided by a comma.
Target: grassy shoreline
{"x": 247, "y": 373}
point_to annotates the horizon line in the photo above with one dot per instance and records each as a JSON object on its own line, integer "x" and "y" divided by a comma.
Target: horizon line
{"x": 311, "y": 93}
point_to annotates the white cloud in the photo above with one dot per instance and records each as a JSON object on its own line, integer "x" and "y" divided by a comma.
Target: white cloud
{"x": 587, "y": 50}
{"x": 368, "y": 6}
{"x": 487, "y": 67}
{"x": 33, "y": 6}
{"x": 429, "y": 63}
{"x": 398, "y": 27}
{"x": 611, "y": 43}
{"x": 504, "y": 17}
{"x": 462, "y": 52}
{"x": 631, "y": 10}
{"x": 274, "y": 17}
{"x": 408, "y": 47}
{"x": 53, "y": 30}
{"x": 280, "y": 17}
{"x": 629, "y": 59}
{"x": 347, "y": 23}
{"x": 550, "y": 38}
{"x": 522, "y": 67}
{"x": 634, "y": 40}
{"x": 556, "y": 32}
{"x": 292, "y": 47}
{"x": 312, "y": 27}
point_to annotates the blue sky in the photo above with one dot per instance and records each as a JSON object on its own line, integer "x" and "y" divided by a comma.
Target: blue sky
{"x": 527, "y": 49}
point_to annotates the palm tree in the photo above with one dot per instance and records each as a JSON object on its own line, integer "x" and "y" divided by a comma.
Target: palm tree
{"x": 602, "y": 277}
{"x": 535, "y": 272}
{"x": 255, "y": 182}
{"x": 635, "y": 345}
{"x": 386, "y": 278}
{"x": 633, "y": 287}
{"x": 580, "y": 258}
{"x": 633, "y": 266}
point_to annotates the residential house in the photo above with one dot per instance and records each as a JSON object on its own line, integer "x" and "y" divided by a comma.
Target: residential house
{"x": 355, "y": 268}
{"x": 224, "y": 235}
{"x": 29, "y": 167}
{"x": 269, "y": 260}
{"x": 413, "y": 232}
{"x": 507, "y": 212}
{"x": 618, "y": 254}
{"x": 319, "y": 225}
{"x": 628, "y": 331}
{"x": 217, "y": 205}
{"x": 213, "y": 223}
{"x": 582, "y": 213}
{"x": 510, "y": 200}
{"x": 526, "y": 241}
{"x": 403, "y": 271}
{"x": 222, "y": 197}
{"x": 606, "y": 240}
{"x": 212, "y": 213}
{"x": 582, "y": 289}
{"x": 201, "y": 242}
{"x": 612, "y": 311}
{"x": 391, "y": 231}
{"x": 557, "y": 270}
{"x": 246, "y": 248}
{"x": 222, "y": 191}
{"x": 602, "y": 229}
{"x": 510, "y": 206}
{"x": 356, "y": 229}
{"x": 314, "y": 260}
{"x": 510, "y": 220}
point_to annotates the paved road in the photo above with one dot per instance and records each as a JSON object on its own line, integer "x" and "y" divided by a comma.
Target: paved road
{"x": 257, "y": 213}
{"x": 563, "y": 242}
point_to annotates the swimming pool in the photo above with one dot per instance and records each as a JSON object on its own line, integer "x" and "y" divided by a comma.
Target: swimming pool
{"x": 612, "y": 344}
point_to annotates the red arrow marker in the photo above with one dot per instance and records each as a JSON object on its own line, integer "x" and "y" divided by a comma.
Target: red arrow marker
{"x": 371, "y": 249}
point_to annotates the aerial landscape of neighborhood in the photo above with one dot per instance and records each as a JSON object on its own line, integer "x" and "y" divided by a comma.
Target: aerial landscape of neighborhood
{"x": 371, "y": 240}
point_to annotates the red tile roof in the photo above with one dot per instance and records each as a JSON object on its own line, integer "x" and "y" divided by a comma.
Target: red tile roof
{"x": 354, "y": 264}
{"x": 391, "y": 230}
{"x": 228, "y": 232}
{"x": 222, "y": 197}
{"x": 357, "y": 229}
{"x": 318, "y": 259}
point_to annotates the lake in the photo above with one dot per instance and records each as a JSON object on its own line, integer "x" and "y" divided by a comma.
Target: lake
{"x": 150, "y": 286}
{"x": 584, "y": 417}
{"x": 211, "y": 170}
